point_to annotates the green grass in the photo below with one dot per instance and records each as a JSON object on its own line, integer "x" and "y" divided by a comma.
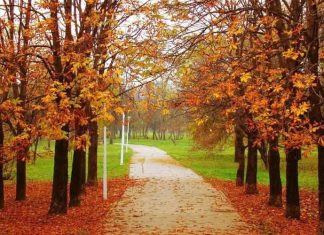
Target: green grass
{"x": 42, "y": 170}
{"x": 220, "y": 163}
{"x": 217, "y": 164}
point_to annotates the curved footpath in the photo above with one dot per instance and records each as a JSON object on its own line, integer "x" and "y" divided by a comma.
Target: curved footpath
{"x": 171, "y": 200}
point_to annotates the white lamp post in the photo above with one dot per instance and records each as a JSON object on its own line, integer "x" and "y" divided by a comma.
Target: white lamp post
{"x": 127, "y": 136}
{"x": 122, "y": 141}
{"x": 104, "y": 177}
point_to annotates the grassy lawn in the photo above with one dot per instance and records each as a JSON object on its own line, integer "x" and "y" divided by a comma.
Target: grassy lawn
{"x": 217, "y": 164}
{"x": 42, "y": 170}
{"x": 220, "y": 163}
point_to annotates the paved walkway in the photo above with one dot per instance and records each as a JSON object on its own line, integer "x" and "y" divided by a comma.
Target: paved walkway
{"x": 172, "y": 200}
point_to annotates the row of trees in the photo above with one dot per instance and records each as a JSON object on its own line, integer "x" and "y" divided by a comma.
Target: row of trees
{"x": 152, "y": 114}
{"x": 252, "y": 67}
{"x": 62, "y": 70}
{"x": 255, "y": 68}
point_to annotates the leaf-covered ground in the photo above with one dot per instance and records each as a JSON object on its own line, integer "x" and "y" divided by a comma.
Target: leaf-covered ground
{"x": 30, "y": 216}
{"x": 270, "y": 220}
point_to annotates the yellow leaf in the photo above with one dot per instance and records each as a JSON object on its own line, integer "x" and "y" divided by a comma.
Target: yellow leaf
{"x": 291, "y": 54}
{"x": 301, "y": 109}
{"x": 119, "y": 110}
{"x": 165, "y": 112}
{"x": 245, "y": 77}
{"x": 216, "y": 95}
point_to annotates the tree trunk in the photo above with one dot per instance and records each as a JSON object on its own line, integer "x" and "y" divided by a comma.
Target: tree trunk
{"x": 264, "y": 156}
{"x": 83, "y": 170}
{"x": 275, "y": 197}
{"x": 60, "y": 178}
{"x": 251, "y": 173}
{"x": 240, "y": 171}
{"x": 76, "y": 179}
{"x": 93, "y": 154}
{"x": 111, "y": 136}
{"x": 1, "y": 167}
{"x": 81, "y": 132}
{"x": 35, "y": 150}
{"x": 292, "y": 191}
{"x": 21, "y": 172}
{"x": 21, "y": 179}
{"x": 239, "y": 156}
{"x": 78, "y": 171}
{"x": 145, "y": 135}
{"x": 155, "y": 137}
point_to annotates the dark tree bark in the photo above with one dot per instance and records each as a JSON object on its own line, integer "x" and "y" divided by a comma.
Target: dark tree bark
{"x": 19, "y": 89}
{"x": 83, "y": 131}
{"x": 76, "y": 179}
{"x": 35, "y": 150}
{"x": 251, "y": 173}
{"x": 83, "y": 170}
{"x": 78, "y": 171}
{"x": 112, "y": 135}
{"x": 275, "y": 197}
{"x": 60, "y": 178}
{"x": 21, "y": 179}
{"x": 239, "y": 156}
{"x": 264, "y": 156}
{"x": 1, "y": 167}
{"x": 21, "y": 171}
{"x": 93, "y": 154}
{"x": 23, "y": 70}
{"x": 23, "y": 154}
{"x": 155, "y": 137}
{"x": 292, "y": 191}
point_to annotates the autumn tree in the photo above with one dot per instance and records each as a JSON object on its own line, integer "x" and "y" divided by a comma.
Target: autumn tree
{"x": 84, "y": 57}
{"x": 268, "y": 80}
{"x": 20, "y": 69}
{"x": 74, "y": 79}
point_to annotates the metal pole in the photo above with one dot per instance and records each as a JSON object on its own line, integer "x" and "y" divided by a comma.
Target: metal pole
{"x": 128, "y": 118}
{"x": 104, "y": 181}
{"x": 122, "y": 141}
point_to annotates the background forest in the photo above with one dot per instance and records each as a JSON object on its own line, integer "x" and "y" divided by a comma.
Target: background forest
{"x": 229, "y": 79}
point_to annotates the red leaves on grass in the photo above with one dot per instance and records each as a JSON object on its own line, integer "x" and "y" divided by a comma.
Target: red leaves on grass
{"x": 30, "y": 216}
{"x": 269, "y": 220}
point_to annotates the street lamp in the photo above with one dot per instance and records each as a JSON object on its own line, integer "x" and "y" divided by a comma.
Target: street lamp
{"x": 122, "y": 141}
{"x": 127, "y": 133}
{"x": 104, "y": 177}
